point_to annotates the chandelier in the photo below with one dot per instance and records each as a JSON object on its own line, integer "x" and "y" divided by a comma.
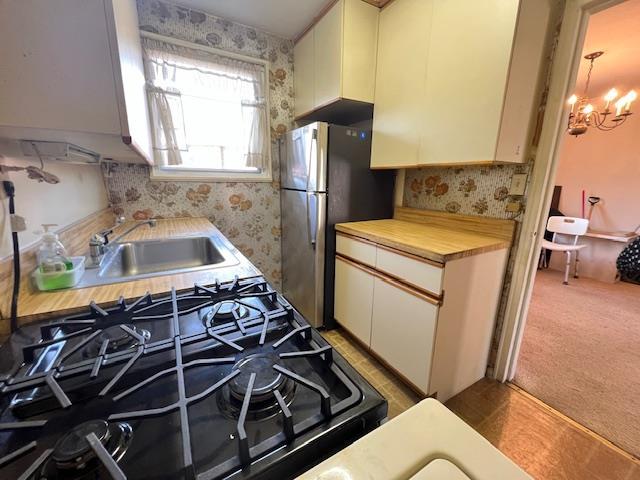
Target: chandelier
{"x": 584, "y": 114}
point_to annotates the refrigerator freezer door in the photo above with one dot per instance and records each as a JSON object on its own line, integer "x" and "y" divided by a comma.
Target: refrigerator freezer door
{"x": 303, "y": 244}
{"x": 303, "y": 159}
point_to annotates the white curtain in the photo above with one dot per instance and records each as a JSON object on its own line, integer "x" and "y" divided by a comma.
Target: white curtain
{"x": 208, "y": 110}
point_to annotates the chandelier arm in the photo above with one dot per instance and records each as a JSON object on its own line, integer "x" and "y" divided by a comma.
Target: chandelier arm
{"x": 605, "y": 128}
{"x": 599, "y": 120}
{"x": 608, "y": 128}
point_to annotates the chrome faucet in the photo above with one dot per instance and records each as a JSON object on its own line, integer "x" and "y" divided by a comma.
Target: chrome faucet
{"x": 151, "y": 222}
{"x": 100, "y": 245}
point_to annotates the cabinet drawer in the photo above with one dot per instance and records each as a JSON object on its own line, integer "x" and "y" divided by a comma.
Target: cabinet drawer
{"x": 403, "y": 330}
{"x": 356, "y": 250}
{"x": 419, "y": 273}
{"x": 353, "y": 299}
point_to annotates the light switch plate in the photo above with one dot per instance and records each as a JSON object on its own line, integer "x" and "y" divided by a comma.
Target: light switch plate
{"x": 518, "y": 184}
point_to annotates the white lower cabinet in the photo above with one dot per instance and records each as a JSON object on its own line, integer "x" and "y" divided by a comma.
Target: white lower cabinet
{"x": 432, "y": 324}
{"x": 403, "y": 328}
{"x": 354, "y": 299}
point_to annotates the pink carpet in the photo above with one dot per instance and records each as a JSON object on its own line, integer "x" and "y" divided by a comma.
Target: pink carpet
{"x": 581, "y": 354}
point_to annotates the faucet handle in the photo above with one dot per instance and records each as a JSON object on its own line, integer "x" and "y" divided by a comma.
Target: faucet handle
{"x": 98, "y": 239}
{"x": 102, "y": 236}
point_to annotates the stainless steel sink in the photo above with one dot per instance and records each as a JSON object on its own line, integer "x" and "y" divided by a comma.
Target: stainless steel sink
{"x": 141, "y": 259}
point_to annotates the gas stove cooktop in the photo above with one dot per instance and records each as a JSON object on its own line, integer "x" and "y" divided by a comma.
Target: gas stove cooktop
{"x": 224, "y": 381}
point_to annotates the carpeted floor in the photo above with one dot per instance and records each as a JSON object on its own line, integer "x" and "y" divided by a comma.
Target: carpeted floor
{"x": 581, "y": 354}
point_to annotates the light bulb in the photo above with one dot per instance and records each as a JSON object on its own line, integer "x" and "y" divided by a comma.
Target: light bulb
{"x": 620, "y": 105}
{"x": 630, "y": 97}
{"x": 588, "y": 108}
{"x": 611, "y": 95}
{"x": 572, "y": 100}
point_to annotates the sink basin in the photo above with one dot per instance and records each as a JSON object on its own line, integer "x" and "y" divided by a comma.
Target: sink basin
{"x": 141, "y": 258}
{"x": 147, "y": 258}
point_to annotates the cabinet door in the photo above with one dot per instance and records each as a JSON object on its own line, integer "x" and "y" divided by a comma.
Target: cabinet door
{"x": 60, "y": 74}
{"x": 353, "y": 299}
{"x": 328, "y": 56}
{"x": 466, "y": 75}
{"x": 360, "y": 39}
{"x": 126, "y": 55}
{"x": 403, "y": 44}
{"x": 303, "y": 66}
{"x": 403, "y": 331}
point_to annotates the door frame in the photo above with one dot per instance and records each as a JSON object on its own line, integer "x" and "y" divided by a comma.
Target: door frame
{"x": 564, "y": 71}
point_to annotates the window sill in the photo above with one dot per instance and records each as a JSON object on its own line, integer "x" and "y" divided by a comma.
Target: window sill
{"x": 186, "y": 175}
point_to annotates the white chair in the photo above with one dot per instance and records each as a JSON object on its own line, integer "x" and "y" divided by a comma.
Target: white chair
{"x": 566, "y": 226}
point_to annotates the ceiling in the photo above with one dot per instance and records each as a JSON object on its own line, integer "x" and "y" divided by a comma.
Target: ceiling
{"x": 284, "y": 18}
{"x": 615, "y": 31}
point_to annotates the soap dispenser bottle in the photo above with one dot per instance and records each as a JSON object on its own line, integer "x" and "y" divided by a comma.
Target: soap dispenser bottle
{"x": 52, "y": 256}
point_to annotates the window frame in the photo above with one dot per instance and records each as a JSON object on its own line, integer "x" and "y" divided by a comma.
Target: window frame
{"x": 193, "y": 174}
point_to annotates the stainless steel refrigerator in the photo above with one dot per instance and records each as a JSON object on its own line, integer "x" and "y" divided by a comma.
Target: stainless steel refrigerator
{"x": 325, "y": 179}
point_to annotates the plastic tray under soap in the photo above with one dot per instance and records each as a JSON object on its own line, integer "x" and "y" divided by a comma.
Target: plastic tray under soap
{"x": 58, "y": 280}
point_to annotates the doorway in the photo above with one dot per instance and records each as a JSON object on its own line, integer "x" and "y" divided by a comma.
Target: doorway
{"x": 575, "y": 346}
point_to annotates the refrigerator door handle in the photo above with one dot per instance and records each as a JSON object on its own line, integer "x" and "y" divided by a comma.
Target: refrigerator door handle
{"x": 311, "y": 230}
{"x": 313, "y": 148}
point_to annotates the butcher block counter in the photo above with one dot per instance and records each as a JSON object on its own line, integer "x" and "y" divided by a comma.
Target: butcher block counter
{"x": 435, "y": 236}
{"x": 35, "y": 305}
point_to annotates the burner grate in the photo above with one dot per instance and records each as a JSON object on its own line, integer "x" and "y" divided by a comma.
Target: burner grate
{"x": 149, "y": 309}
{"x": 94, "y": 442}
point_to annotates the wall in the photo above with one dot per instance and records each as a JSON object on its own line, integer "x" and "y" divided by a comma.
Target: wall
{"x": 80, "y": 193}
{"x": 247, "y": 213}
{"x": 470, "y": 190}
{"x": 606, "y": 165}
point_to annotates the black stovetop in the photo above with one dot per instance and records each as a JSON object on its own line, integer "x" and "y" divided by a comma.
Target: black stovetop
{"x": 222, "y": 381}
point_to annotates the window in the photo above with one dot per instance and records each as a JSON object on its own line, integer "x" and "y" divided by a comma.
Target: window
{"x": 208, "y": 112}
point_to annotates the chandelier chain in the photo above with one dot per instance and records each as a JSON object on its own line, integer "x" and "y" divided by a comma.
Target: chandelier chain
{"x": 586, "y": 85}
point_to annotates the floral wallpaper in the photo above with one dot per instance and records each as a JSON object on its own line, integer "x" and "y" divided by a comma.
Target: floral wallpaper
{"x": 469, "y": 190}
{"x": 247, "y": 213}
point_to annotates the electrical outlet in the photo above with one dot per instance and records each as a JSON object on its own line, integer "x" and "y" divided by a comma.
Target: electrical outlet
{"x": 518, "y": 184}
{"x": 513, "y": 207}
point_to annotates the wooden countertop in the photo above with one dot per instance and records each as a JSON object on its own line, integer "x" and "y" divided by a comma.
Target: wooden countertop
{"x": 436, "y": 236}
{"x": 35, "y": 305}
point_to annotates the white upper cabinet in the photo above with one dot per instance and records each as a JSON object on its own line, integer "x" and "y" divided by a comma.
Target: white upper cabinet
{"x": 336, "y": 58}
{"x": 75, "y": 75}
{"x": 457, "y": 81}
{"x": 467, "y": 67}
{"x": 303, "y": 78}
{"x": 327, "y": 52}
{"x": 400, "y": 73}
